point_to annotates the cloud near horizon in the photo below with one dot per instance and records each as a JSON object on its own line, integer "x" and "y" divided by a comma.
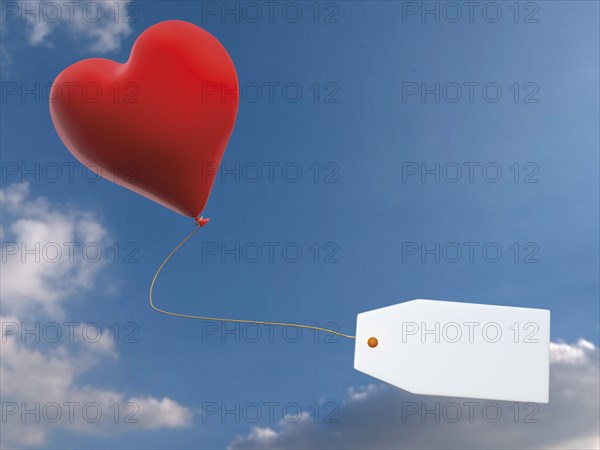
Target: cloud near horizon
{"x": 380, "y": 416}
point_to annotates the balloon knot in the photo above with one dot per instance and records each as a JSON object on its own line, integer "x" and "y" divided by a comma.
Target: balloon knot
{"x": 201, "y": 221}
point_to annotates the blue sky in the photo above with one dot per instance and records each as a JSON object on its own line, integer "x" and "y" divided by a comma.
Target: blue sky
{"x": 363, "y": 142}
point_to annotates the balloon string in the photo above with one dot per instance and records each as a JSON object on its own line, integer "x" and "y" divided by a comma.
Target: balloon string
{"x": 201, "y": 222}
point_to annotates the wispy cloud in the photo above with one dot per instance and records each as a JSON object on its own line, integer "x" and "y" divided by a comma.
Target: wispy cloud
{"x": 100, "y": 25}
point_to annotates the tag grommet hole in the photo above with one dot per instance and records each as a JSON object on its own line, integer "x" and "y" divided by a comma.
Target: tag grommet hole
{"x": 372, "y": 342}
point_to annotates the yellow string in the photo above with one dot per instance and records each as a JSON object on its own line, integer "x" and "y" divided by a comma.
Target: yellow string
{"x": 219, "y": 319}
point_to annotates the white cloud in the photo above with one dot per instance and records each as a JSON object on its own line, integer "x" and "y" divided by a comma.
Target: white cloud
{"x": 48, "y": 254}
{"x": 101, "y": 23}
{"x": 45, "y": 373}
{"x": 565, "y": 353}
{"x": 49, "y": 377}
{"x": 379, "y": 416}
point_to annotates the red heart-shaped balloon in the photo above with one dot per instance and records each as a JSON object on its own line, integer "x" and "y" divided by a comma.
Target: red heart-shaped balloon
{"x": 157, "y": 124}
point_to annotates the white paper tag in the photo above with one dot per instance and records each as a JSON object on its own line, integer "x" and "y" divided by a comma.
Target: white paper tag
{"x": 457, "y": 349}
